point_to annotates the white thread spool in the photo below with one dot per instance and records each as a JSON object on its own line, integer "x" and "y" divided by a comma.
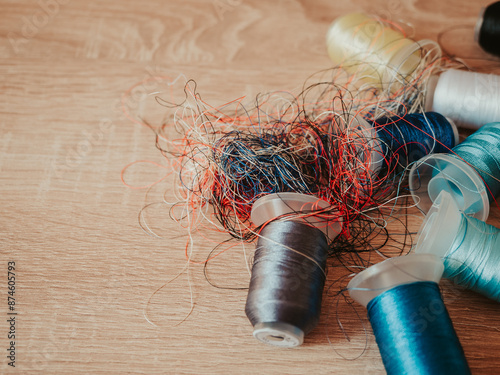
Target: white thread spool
{"x": 470, "y": 99}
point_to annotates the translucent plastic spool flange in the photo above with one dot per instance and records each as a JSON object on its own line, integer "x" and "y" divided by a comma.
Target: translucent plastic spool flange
{"x": 430, "y": 90}
{"x": 290, "y": 206}
{"x": 456, "y": 136}
{"x": 440, "y": 227}
{"x": 393, "y": 272}
{"x": 403, "y": 64}
{"x": 368, "y": 142}
{"x": 441, "y": 172}
{"x": 297, "y": 207}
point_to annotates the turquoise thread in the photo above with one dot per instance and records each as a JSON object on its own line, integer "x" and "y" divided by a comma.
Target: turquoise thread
{"x": 481, "y": 150}
{"x": 473, "y": 260}
{"x": 414, "y": 332}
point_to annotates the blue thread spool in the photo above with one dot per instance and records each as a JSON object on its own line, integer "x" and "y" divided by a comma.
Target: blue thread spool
{"x": 405, "y": 140}
{"x": 470, "y": 173}
{"x": 395, "y": 142}
{"x": 470, "y": 247}
{"x": 410, "y": 322}
{"x": 284, "y": 297}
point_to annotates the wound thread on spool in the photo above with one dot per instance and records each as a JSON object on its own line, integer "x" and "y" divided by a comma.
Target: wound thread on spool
{"x": 404, "y": 140}
{"x": 389, "y": 144}
{"x": 468, "y": 98}
{"x": 371, "y": 49}
{"x": 286, "y": 287}
{"x": 487, "y": 31}
{"x": 470, "y": 173}
{"x": 289, "y": 268}
{"x": 470, "y": 247}
{"x": 410, "y": 322}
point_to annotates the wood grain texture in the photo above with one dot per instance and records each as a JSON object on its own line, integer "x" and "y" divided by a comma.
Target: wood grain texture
{"x": 85, "y": 269}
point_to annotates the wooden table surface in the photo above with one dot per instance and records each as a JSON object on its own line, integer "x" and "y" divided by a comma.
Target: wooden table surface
{"x": 85, "y": 270}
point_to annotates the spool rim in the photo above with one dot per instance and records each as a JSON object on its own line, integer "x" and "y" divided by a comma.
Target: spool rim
{"x": 423, "y": 173}
{"x": 272, "y": 206}
{"x": 399, "y": 59}
{"x": 279, "y": 334}
{"x": 440, "y": 227}
{"x": 394, "y": 272}
{"x": 368, "y": 132}
{"x": 455, "y": 130}
{"x": 430, "y": 90}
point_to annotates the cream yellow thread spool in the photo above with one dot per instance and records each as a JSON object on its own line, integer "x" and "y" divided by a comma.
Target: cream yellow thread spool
{"x": 372, "y": 50}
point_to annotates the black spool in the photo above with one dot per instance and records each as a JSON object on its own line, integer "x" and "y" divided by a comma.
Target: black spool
{"x": 286, "y": 287}
{"x": 487, "y": 32}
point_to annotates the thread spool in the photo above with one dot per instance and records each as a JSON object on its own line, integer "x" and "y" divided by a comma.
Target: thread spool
{"x": 288, "y": 274}
{"x": 372, "y": 50}
{"x": 388, "y": 141}
{"x": 410, "y": 322}
{"x": 487, "y": 31}
{"x": 470, "y": 173}
{"x": 470, "y": 248}
{"x": 404, "y": 140}
{"x": 468, "y": 98}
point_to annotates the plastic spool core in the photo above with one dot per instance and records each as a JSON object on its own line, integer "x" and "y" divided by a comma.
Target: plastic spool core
{"x": 429, "y": 104}
{"x": 429, "y": 93}
{"x": 440, "y": 227}
{"x": 456, "y": 136}
{"x": 393, "y": 272}
{"x": 275, "y": 205}
{"x": 440, "y": 172}
{"x": 279, "y": 334}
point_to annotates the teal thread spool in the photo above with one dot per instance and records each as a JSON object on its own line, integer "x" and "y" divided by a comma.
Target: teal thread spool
{"x": 470, "y": 173}
{"x": 470, "y": 247}
{"x": 410, "y": 322}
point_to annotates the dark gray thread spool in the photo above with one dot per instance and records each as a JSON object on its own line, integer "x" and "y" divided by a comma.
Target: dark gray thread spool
{"x": 286, "y": 287}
